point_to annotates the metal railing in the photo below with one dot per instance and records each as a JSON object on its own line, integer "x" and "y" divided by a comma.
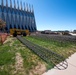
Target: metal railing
{"x": 47, "y": 55}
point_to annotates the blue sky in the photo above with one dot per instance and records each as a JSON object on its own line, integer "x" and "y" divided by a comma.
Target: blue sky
{"x": 54, "y": 14}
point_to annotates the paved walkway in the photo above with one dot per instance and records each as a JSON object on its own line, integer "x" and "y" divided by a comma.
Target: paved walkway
{"x": 71, "y": 70}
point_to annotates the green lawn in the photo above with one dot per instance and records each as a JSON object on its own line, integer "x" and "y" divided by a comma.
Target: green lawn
{"x": 8, "y": 54}
{"x": 63, "y": 48}
{"x": 9, "y": 50}
{"x": 7, "y": 58}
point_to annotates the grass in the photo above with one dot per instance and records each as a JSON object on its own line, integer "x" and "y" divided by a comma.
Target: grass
{"x": 4, "y": 73}
{"x": 7, "y": 57}
{"x": 63, "y": 48}
{"x": 30, "y": 60}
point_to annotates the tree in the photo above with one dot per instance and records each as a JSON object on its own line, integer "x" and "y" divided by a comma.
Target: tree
{"x": 2, "y": 25}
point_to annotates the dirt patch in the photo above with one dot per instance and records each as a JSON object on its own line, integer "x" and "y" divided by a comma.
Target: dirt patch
{"x": 19, "y": 65}
{"x": 38, "y": 70}
{"x": 9, "y": 40}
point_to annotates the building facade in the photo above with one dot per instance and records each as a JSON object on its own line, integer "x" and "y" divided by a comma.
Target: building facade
{"x": 17, "y": 16}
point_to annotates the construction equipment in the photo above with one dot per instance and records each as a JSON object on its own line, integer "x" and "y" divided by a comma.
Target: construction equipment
{"x": 16, "y": 32}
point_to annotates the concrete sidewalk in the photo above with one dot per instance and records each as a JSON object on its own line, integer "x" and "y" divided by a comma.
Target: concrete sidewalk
{"x": 71, "y": 70}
